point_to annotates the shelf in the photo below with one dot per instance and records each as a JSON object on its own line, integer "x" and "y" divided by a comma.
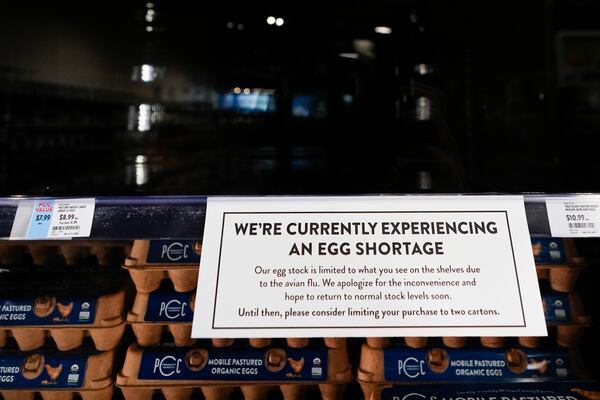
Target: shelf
{"x": 125, "y": 218}
{"x": 182, "y": 217}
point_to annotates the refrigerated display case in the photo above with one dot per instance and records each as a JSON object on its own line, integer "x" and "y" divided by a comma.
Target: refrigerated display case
{"x": 143, "y": 103}
{"x": 116, "y": 308}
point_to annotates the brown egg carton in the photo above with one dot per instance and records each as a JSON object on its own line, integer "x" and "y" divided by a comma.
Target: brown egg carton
{"x": 175, "y": 313}
{"x": 572, "y": 390}
{"x": 106, "y": 330}
{"x": 100, "y": 394}
{"x": 150, "y": 318}
{"x": 296, "y": 343}
{"x": 46, "y": 252}
{"x": 58, "y": 304}
{"x": 147, "y": 274}
{"x": 104, "y": 338}
{"x": 567, "y": 330}
{"x": 98, "y": 382}
{"x": 156, "y": 253}
{"x": 566, "y": 336}
{"x": 381, "y": 368}
{"x": 419, "y": 342}
{"x": 562, "y": 275}
{"x": 274, "y": 359}
{"x": 328, "y": 391}
{"x": 149, "y": 332}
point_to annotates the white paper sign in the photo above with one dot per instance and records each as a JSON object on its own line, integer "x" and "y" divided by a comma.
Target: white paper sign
{"x": 574, "y": 216}
{"x": 367, "y": 266}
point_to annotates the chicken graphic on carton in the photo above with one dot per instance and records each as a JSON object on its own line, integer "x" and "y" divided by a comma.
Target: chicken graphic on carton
{"x": 64, "y": 310}
{"x": 296, "y": 365}
{"x": 53, "y": 374}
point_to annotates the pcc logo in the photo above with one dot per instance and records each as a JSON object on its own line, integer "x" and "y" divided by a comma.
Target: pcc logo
{"x": 175, "y": 251}
{"x": 411, "y": 367}
{"x": 410, "y": 396}
{"x": 167, "y": 366}
{"x": 172, "y": 309}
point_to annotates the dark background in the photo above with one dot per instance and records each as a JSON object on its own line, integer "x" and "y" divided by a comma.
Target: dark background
{"x": 461, "y": 96}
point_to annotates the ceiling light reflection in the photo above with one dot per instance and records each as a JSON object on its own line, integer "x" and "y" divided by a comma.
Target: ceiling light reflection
{"x": 383, "y": 30}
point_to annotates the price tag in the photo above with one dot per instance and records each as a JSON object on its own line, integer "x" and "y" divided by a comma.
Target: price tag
{"x": 574, "y": 216}
{"x": 41, "y": 216}
{"x": 60, "y": 219}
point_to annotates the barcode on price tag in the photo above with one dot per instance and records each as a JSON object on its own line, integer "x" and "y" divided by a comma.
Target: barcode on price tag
{"x": 60, "y": 218}
{"x": 581, "y": 225}
{"x": 574, "y": 216}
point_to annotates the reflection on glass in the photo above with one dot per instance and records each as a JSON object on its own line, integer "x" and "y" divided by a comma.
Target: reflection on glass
{"x": 423, "y": 69}
{"x": 424, "y": 180}
{"x": 347, "y": 98}
{"x": 144, "y": 116}
{"x": 364, "y": 47}
{"x": 147, "y": 73}
{"x": 248, "y": 101}
{"x": 309, "y": 106}
{"x": 423, "y": 108}
{"x": 150, "y": 15}
{"x": 264, "y": 159}
{"x": 277, "y": 21}
{"x": 131, "y": 118}
{"x": 141, "y": 170}
{"x": 383, "y": 30}
{"x": 302, "y": 158}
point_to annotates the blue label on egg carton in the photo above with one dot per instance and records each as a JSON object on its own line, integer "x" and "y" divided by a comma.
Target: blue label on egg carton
{"x": 47, "y": 310}
{"x": 548, "y": 250}
{"x": 476, "y": 365}
{"x": 169, "y": 307}
{"x": 557, "y": 308}
{"x": 39, "y": 371}
{"x": 234, "y": 364}
{"x": 172, "y": 252}
{"x": 572, "y": 390}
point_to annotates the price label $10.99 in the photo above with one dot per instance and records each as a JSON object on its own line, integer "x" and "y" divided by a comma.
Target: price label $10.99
{"x": 574, "y": 216}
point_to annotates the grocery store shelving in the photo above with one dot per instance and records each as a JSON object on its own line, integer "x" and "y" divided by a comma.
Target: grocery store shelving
{"x": 182, "y": 217}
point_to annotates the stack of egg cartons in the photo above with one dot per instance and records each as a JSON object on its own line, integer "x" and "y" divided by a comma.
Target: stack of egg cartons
{"x": 62, "y": 316}
{"x": 165, "y": 359}
{"x": 386, "y": 362}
